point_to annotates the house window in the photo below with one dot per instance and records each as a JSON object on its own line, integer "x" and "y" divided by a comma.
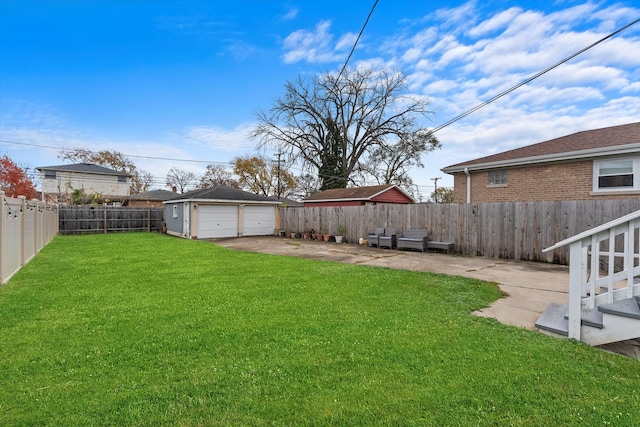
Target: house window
{"x": 175, "y": 211}
{"x": 122, "y": 180}
{"x": 498, "y": 177}
{"x": 49, "y": 174}
{"x": 619, "y": 174}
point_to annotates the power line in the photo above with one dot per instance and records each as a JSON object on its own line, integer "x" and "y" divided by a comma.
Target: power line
{"x": 127, "y": 155}
{"x": 357, "y": 40}
{"x": 535, "y": 76}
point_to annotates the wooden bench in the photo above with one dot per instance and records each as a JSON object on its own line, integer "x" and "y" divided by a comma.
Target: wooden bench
{"x": 445, "y": 246}
{"x": 413, "y": 239}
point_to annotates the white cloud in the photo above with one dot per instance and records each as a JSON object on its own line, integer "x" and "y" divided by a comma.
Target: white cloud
{"x": 310, "y": 46}
{"x": 234, "y": 140}
{"x": 291, "y": 14}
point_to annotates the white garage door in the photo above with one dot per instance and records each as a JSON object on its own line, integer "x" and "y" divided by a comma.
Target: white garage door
{"x": 258, "y": 220}
{"x": 217, "y": 221}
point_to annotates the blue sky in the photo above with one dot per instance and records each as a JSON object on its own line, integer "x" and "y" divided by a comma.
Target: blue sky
{"x": 183, "y": 79}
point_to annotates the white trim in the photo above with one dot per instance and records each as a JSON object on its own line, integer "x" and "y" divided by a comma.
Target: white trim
{"x": 635, "y": 170}
{"x": 225, "y": 201}
{"x": 571, "y": 155}
{"x": 594, "y": 231}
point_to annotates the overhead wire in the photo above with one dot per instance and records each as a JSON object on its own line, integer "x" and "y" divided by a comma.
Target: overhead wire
{"x": 434, "y": 130}
{"x": 535, "y": 76}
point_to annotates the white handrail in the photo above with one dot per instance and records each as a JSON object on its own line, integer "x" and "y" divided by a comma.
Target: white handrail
{"x": 591, "y": 286}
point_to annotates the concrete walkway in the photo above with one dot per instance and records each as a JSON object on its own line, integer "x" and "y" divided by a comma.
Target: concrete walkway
{"x": 529, "y": 286}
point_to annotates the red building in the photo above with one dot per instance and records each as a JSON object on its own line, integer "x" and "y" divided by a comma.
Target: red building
{"x": 359, "y": 196}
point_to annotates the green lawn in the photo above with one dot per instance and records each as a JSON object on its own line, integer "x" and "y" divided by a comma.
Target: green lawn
{"x": 146, "y": 329}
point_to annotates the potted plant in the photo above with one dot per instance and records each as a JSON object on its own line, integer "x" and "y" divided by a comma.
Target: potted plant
{"x": 340, "y": 233}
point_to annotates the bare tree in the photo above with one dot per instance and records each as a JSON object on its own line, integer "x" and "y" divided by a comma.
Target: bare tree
{"x": 181, "y": 179}
{"x": 217, "y": 175}
{"x": 342, "y": 125}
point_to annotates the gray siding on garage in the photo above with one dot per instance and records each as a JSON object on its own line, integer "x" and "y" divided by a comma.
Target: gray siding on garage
{"x": 174, "y": 224}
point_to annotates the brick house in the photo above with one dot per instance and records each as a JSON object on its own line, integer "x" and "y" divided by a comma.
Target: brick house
{"x": 594, "y": 164}
{"x": 358, "y": 196}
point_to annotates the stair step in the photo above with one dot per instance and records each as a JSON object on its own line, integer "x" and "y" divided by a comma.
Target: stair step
{"x": 629, "y": 307}
{"x": 588, "y": 317}
{"x": 553, "y": 319}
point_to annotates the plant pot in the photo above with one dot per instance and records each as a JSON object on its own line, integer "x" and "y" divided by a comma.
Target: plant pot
{"x": 327, "y": 237}
{"x": 338, "y": 239}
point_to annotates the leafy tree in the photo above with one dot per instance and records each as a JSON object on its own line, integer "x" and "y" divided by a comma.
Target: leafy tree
{"x": 442, "y": 195}
{"x": 81, "y": 197}
{"x": 181, "y": 179}
{"x": 140, "y": 180}
{"x": 258, "y": 175}
{"x": 350, "y": 124}
{"x": 14, "y": 180}
{"x": 217, "y": 175}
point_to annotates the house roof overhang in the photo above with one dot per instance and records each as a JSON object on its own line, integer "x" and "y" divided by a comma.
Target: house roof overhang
{"x": 556, "y": 157}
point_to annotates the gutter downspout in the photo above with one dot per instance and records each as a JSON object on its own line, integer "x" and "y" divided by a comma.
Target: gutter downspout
{"x": 466, "y": 172}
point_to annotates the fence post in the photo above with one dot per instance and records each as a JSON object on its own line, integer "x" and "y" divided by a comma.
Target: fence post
{"x": 22, "y": 236}
{"x": 104, "y": 208}
{"x": 149, "y": 220}
{"x": 2, "y": 216}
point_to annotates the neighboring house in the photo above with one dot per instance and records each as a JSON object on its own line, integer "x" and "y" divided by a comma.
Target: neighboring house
{"x": 595, "y": 164}
{"x": 59, "y": 182}
{"x": 152, "y": 199}
{"x": 220, "y": 212}
{"x": 358, "y": 196}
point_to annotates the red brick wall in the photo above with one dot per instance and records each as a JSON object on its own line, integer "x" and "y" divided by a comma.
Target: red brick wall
{"x": 558, "y": 181}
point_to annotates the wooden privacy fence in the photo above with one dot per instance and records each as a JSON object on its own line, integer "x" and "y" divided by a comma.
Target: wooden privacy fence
{"x": 516, "y": 230}
{"x": 105, "y": 219}
{"x": 26, "y": 226}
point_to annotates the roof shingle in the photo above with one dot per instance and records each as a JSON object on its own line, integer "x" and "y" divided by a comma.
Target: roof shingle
{"x": 580, "y": 141}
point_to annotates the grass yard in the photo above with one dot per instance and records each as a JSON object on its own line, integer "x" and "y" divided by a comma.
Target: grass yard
{"x": 146, "y": 329}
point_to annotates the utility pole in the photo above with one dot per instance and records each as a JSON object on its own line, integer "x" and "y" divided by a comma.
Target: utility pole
{"x": 278, "y": 190}
{"x": 435, "y": 191}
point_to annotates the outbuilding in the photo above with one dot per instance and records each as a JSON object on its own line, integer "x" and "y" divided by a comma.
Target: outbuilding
{"x": 359, "y": 196}
{"x": 220, "y": 212}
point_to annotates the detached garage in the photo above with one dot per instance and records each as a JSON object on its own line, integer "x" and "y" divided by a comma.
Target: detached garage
{"x": 220, "y": 212}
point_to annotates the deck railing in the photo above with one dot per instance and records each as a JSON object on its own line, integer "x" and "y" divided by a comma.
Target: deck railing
{"x": 604, "y": 266}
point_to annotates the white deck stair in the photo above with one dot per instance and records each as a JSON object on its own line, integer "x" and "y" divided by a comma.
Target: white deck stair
{"x": 604, "y": 285}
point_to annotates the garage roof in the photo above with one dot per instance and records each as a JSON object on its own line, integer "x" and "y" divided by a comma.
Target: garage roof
{"x": 222, "y": 193}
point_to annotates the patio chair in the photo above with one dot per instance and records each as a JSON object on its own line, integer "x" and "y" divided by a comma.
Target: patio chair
{"x": 388, "y": 239}
{"x": 373, "y": 238}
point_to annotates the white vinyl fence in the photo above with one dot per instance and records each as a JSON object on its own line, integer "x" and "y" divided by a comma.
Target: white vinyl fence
{"x": 26, "y": 226}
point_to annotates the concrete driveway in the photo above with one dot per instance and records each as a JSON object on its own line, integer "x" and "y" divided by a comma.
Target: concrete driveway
{"x": 529, "y": 286}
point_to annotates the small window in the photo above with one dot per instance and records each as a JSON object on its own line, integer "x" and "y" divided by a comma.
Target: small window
{"x": 122, "y": 180}
{"x": 49, "y": 174}
{"x": 498, "y": 177}
{"x": 175, "y": 211}
{"x": 615, "y": 174}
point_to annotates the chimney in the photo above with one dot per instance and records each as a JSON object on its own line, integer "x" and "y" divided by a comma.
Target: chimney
{"x": 174, "y": 189}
